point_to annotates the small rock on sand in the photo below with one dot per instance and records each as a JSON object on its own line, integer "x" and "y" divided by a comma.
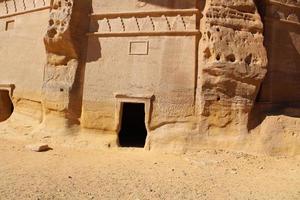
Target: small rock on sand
{"x": 38, "y": 147}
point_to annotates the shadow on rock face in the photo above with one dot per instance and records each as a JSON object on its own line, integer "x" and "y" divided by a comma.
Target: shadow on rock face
{"x": 262, "y": 111}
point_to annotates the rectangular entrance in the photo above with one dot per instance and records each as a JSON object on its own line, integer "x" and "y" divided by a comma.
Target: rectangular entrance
{"x": 133, "y": 132}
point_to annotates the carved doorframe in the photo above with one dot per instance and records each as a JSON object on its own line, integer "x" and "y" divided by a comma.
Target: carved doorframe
{"x": 124, "y": 98}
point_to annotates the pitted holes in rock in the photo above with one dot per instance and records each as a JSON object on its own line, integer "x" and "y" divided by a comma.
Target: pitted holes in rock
{"x": 230, "y": 58}
{"x": 207, "y": 53}
{"x": 51, "y": 33}
{"x": 51, "y": 22}
{"x": 248, "y": 59}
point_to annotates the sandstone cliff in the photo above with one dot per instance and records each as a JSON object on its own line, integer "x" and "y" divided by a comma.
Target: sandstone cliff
{"x": 210, "y": 74}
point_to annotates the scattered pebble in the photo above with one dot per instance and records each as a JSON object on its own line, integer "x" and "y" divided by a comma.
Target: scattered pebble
{"x": 233, "y": 171}
{"x": 38, "y": 147}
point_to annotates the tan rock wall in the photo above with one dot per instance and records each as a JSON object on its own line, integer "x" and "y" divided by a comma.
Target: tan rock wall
{"x": 165, "y": 72}
{"x": 274, "y": 121}
{"x": 282, "y": 39}
{"x": 148, "y": 61}
{"x": 23, "y": 54}
{"x": 197, "y": 66}
{"x": 105, "y": 6}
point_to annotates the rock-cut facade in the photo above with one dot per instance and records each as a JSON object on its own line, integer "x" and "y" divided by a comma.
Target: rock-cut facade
{"x": 189, "y": 74}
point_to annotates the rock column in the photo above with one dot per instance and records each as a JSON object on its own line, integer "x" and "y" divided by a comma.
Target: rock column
{"x": 232, "y": 65}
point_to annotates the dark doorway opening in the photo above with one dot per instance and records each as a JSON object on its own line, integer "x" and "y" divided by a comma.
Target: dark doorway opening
{"x": 133, "y": 131}
{"x": 6, "y": 106}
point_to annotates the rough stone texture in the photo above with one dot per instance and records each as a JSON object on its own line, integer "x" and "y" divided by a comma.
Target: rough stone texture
{"x": 65, "y": 35}
{"x": 197, "y": 66}
{"x": 232, "y": 64}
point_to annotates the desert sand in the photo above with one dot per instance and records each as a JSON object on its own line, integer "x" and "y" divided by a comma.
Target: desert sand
{"x": 133, "y": 173}
{"x": 209, "y": 89}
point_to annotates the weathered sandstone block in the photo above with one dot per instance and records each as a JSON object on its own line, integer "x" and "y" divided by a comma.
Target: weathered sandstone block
{"x": 63, "y": 41}
{"x": 232, "y": 63}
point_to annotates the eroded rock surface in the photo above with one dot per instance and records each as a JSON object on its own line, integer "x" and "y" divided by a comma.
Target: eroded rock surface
{"x": 64, "y": 40}
{"x": 232, "y": 64}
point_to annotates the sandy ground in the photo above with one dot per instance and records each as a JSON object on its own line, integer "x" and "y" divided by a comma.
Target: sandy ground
{"x": 65, "y": 173}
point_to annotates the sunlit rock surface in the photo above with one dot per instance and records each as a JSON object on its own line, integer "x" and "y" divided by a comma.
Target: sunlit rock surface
{"x": 220, "y": 74}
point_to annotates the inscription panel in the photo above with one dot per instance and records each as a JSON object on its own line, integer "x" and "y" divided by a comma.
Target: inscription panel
{"x": 138, "y": 48}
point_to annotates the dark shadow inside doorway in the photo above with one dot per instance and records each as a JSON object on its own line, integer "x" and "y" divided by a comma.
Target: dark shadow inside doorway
{"x": 133, "y": 131}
